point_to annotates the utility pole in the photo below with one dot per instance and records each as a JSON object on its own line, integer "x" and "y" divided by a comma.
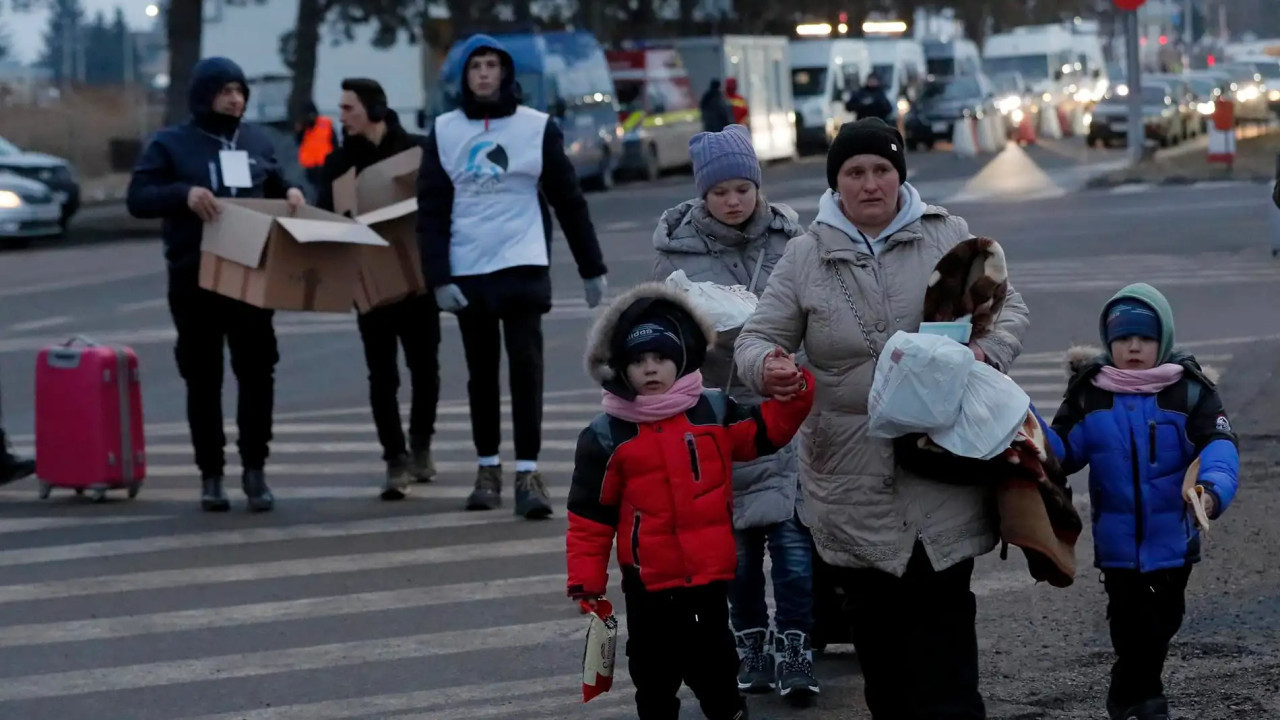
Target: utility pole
{"x": 1136, "y": 128}
{"x": 1187, "y": 19}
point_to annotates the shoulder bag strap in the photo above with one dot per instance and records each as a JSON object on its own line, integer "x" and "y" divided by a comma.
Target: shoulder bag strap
{"x": 848, "y": 297}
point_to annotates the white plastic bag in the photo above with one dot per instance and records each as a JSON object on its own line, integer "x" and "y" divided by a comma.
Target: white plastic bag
{"x": 599, "y": 654}
{"x": 918, "y": 384}
{"x": 991, "y": 413}
{"x": 727, "y": 306}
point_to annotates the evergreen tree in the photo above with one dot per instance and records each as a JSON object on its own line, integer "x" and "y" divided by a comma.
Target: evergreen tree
{"x": 62, "y": 40}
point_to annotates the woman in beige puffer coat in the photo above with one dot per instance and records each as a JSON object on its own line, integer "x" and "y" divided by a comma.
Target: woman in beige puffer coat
{"x": 731, "y": 235}
{"x": 903, "y": 545}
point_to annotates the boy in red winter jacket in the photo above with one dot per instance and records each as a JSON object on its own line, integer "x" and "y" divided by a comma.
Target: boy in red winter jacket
{"x": 654, "y": 469}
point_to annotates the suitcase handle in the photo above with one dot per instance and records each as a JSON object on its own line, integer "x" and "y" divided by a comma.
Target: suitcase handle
{"x": 81, "y": 339}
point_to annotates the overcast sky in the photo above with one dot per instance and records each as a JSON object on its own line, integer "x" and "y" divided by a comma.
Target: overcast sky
{"x": 26, "y": 30}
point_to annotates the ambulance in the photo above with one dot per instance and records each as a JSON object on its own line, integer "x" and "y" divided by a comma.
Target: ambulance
{"x": 658, "y": 109}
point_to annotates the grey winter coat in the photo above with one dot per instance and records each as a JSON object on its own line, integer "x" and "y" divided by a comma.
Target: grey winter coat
{"x": 688, "y": 238}
{"x": 864, "y": 510}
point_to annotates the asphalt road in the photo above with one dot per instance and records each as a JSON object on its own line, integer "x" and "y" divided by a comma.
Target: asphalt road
{"x": 340, "y": 606}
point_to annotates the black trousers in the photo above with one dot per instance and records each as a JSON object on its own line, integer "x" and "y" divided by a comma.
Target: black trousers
{"x": 1145, "y": 611}
{"x": 205, "y": 320}
{"x": 486, "y": 329}
{"x": 916, "y": 640}
{"x": 682, "y": 636}
{"x": 412, "y": 324}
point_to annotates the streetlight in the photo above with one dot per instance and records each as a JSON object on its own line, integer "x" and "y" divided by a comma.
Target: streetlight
{"x": 153, "y": 10}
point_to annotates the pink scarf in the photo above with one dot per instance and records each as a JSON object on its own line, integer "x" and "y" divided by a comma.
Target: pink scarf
{"x": 1138, "y": 382}
{"x": 679, "y": 397}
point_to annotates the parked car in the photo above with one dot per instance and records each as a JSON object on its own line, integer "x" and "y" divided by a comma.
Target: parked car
{"x": 945, "y": 103}
{"x": 54, "y": 172}
{"x": 28, "y": 209}
{"x": 1161, "y": 118}
{"x": 1179, "y": 88}
{"x": 1208, "y": 86}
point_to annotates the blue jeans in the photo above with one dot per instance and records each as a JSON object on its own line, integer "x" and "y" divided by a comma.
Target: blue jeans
{"x": 792, "y": 578}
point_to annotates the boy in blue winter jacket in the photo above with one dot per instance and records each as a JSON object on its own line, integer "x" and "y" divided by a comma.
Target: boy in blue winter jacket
{"x": 1140, "y": 415}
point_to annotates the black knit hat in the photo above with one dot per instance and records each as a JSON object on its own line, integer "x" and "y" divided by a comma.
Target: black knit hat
{"x": 868, "y": 136}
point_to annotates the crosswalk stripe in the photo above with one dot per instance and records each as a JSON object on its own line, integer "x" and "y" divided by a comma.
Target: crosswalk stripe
{"x": 371, "y": 447}
{"x": 304, "y": 609}
{"x": 376, "y": 705}
{"x": 225, "y": 667}
{"x": 31, "y": 524}
{"x": 284, "y": 492}
{"x": 278, "y": 569}
{"x": 249, "y": 536}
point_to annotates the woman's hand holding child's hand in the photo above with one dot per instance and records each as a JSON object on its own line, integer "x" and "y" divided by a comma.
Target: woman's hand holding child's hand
{"x": 782, "y": 379}
{"x": 587, "y": 605}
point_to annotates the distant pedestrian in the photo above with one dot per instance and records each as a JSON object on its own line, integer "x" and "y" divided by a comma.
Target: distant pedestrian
{"x": 490, "y": 169}
{"x": 870, "y": 100}
{"x": 373, "y": 133}
{"x": 12, "y": 467}
{"x": 672, "y": 518}
{"x": 180, "y": 177}
{"x": 714, "y": 106}
{"x": 731, "y": 235}
{"x": 1147, "y": 421}
{"x": 737, "y": 103}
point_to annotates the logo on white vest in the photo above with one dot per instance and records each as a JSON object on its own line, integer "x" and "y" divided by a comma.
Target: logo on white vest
{"x": 487, "y": 162}
{"x": 1223, "y": 424}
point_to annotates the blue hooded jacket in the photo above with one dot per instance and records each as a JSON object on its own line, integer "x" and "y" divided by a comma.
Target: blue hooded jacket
{"x": 520, "y": 286}
{"x": 184, "y": 156}
{"x": 1138, "y": 449}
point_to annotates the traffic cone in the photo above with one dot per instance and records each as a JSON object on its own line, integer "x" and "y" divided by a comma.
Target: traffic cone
{"x": 964, "y": 138}
{"x": 1081, "y": 128}
{"x": 986, "y": 142}
{"x": 1050, "y": 126}
{"x": 1026, "y": 133}
{"x": 1064, "y": 121}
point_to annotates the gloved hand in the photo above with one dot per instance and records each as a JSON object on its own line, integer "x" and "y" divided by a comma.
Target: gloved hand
{"x": 449, "y": 298}
{"x": 595, "y": 288}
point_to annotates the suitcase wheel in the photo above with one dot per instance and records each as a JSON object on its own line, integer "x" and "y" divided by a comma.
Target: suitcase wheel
{"x": 79, "y": 492}
{"x": 133, "y": 490}
{"x": 98, "y": 495}
{"x": 45, "y": 490}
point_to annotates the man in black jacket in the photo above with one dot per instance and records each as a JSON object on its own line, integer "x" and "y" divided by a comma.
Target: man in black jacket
{"x": 870, "y": 101}
{"x": 489, "y": 171}
{"x": 179, "y": 177}
{"x": 12, "y": 467}
{"x": 371, "y": 133}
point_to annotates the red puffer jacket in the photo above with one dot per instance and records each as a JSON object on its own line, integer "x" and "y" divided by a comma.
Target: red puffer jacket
{"x": 665, "y": 490}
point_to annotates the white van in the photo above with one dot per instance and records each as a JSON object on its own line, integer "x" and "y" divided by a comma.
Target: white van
{"x": 1045, "y": 55}
{"x": 901, "y": 67}
{"x": 824, "y": 72}
{"x": 951, "y": 58}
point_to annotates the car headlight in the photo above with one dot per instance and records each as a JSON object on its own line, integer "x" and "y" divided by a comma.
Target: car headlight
{"x": 9, "y": 199}
{"x": 1274, "y": 96}
{"x": 1205, "y": 108}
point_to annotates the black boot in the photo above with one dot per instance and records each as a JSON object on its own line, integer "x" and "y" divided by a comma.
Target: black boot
{"x": 13, "y": 467}
{"x": 255, "y": 487}
{"x": 212, "y": 498}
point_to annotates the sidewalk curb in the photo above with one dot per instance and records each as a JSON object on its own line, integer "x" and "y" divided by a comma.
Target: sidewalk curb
{"x": 1106, "y": 183}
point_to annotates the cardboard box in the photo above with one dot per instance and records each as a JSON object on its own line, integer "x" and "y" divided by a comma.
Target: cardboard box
{"x": 265, "y": 254}
{"x": 384, "y": 197}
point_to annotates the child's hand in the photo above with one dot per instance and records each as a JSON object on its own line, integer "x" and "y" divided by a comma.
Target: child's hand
{"x": 1210, "y": 505}
{"x": 782, "y": 379}
{"x": 587, "y": 605}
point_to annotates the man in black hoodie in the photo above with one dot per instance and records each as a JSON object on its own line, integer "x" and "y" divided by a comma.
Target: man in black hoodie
{"x": 491, "y": 171}
{"x": 371, "y": 133}
{"x": 179, "y": 177}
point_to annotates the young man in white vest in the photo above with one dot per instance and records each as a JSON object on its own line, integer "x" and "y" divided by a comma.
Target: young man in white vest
{"x": 490, "y": 169}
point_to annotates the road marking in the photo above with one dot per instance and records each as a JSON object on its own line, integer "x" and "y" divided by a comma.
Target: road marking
{"x": 1132, "y": 188}
{"x": 258, "y": 613}
{"x": 18, "y": 525}
{"x": 143, "y": 305}
{"x": 81, "y": 282}
{"x": 279, "y": 569}
{"x": 328, "y": 447}
{"x": 271, "y": 662}
{"x": 446, "y": 406}
{"x": 247, "y": 536}
{"x": 40, "y": 324}
{"x": 372, "y": 468}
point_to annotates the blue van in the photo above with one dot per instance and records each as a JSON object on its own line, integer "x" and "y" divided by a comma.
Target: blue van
{"x": 565, "y": 75}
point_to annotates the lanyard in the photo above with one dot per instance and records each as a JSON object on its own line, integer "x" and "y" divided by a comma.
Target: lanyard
{"x": 227, "y": 144}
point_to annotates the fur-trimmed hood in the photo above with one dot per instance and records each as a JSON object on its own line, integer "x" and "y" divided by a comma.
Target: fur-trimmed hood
{"x": 608, "y": 334}
{"x": 972, "y": 279}
{"x": 1079, "y": 358}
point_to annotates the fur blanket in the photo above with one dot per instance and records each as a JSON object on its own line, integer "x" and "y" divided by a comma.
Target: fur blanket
{"x": 1032, "y": 494}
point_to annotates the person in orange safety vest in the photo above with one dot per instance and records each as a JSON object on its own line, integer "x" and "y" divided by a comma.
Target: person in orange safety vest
{"x": 737, "y": 103}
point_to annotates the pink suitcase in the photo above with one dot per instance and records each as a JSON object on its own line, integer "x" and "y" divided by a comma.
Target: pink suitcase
{"x": 89, "y": 419}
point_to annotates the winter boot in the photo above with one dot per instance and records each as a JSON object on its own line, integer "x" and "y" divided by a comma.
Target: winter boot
{"x": 794, "y": 660}
{"x": 399, "y": 477}
{"x": 422, "y": 467}
{"x": 13, "y": 467}
{"x": 488, "y": 492}
{"x": 1153, "y": 709}
{"x": 755, "y": 669}
{"x": 212, "y": 498}
{"x": 254, "y": 483}
{"x": 532, "y": 499}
